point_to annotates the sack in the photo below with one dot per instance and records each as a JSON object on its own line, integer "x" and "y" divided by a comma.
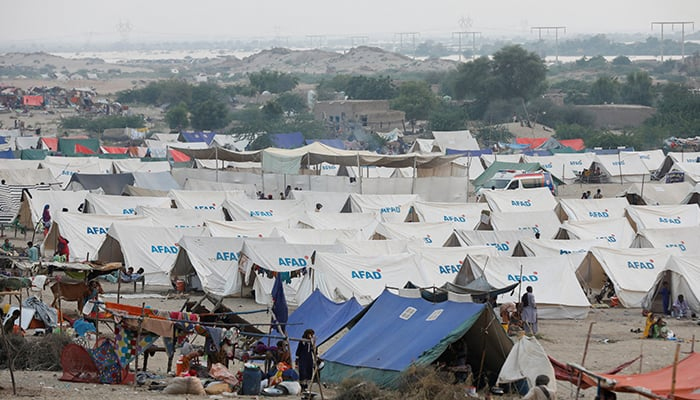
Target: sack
{"x": 185, "y": 385}
{"x": 525, "y": 301}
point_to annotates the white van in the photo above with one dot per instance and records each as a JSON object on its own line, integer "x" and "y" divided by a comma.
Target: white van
{"x": 518, "y": 179}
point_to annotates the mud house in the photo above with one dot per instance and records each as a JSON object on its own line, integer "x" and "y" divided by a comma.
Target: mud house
{"x": 372, "y": 115}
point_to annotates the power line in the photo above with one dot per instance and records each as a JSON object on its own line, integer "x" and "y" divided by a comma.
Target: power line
{"x": 358, "y": 39}
{"x": 321, "y": 39}
{"x": 413, "y": 40}
{"x": 556, "y": 30}
{"x": 460, "y": 35}
{"x": 673, "y": 24}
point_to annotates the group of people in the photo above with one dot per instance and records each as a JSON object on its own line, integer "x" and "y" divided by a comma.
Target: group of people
{"x": 587, "y": 195}
{"x": 520, "y": 317}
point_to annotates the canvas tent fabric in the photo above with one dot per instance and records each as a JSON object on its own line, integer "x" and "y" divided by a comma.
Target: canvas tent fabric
{"x": 527, "y": 360}
{"x": 632, "y": 271}
{"x": 441, "y": 265}
{"x": 343, "y": 276}
{"x": 564, "y": 166}
{"x": 683, "y": 276}
{"x": 558, "y": 293}
{"x": 385, "y": 324}
{"x": 244, "y": 209}
{"x": 333, "y": 202}
{"x": 617, "y": 231}
{"x": 20, "y": 164}
{"x": 149, "y": 247}
{"x": 33, "y": 203}
{"x": 136, "y": 165}
{"x": 214, "y": 260}
{"x": 72, "y": 146}
{"x": 205, "y": 185}
{"x": 315, "y": 236}
{"x": 254, "y": 229}
{"x": 522, "y": 200}
{"x": 85, "y": 232}
{"x": 470, "y": 167}
{"x": 508, "y": 161}
{"x": 624, "y": 167}
{"x": 206, "y": 201}
{"x": 391, "y": 208}
{"x": 457, "y": 140}
{"x": 364, "y": 222}
{"x": 122, "y": 205}
{"x": 664, "y": 217}
{"x": 652, "y": 159}
{"x": 462, "y": 216}
{"x": 681, "y": 241}
{"x": 28, "y": 177}
{"x": 155, "y": 180}
{"x": 110, "y": 183}
{"x": 376, "y": 247}
{"x": 545, "y": 223}
{"x": 429, "y": 234}
{"x": 592, "y": 209}
{"x": 503, "y": 241}
{"x": 531, "y": 247}
{"x": 174, "y": 217}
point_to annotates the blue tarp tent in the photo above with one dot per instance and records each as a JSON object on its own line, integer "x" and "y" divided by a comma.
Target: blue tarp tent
{"x": 7, "y": 154}
{"x": 287, "y": 140}
{"x": 468, "y": 153}
{"x": 196, "y": 137}
{"x": 335, "y": 143}
{"x": 397, "y": 332}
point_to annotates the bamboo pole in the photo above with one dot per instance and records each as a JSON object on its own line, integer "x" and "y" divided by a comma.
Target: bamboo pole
{"x": 316, "y": 376}
{"x": 583, "y": 360}
{"x": 675, "y": 369}
{"x": 138, "y": 341}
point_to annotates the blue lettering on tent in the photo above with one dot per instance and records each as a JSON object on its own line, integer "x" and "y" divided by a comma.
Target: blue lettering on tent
{"x": 521, "y": 203}
{"x": 499, "y": 246}
{"x": 452, "y": 218}
{"x": 449, "y": 269}
{"x": 526, "y": 278}
{"x": 128, "y": 211}
{"x": 598, "y": 214}
{"x": 387, "y": 210}
{"x": 362, "y": 274}
{"x": 64, "y": 172}
{"x": 547, "y": 166}
{"x": 680, "y": 246}
{"x": 640, "y": 264}
{"x": 97, "y": 230}
{"x": 575, "y": 162}
{"x": 226, "y": 256}
{"x": 618, "y": 163}
{"x": 327, "y": 167}
{"x": 673, "y": 221}
{"x": 256, "y": 213}
{"x": 164, "y": 249}
{"x": 292, "y": 262}
{"x": 205, "y": 207}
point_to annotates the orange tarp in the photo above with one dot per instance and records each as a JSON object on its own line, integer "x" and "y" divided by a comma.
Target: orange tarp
{"x": 179, "y": 156}
{"x": 576, "y": 144}
{"x": 659, "y": 381}
{"x": 114, "y": 150}
{"x": 533, "y": 142}
{"x": 50, "y": 143}
{"x": 80, "y": 149}
{"x": 132, "y": 310}
{"x": 35, "y": 101}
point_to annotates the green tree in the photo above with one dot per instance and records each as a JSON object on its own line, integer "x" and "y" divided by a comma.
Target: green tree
{"x": 272, "y": 81}
{"x": 272, "y": 110}
{"x": 177, "y": 116}
{"x": 209, "y": 115}
{"x": 369, "y": 88}
{"x": 519, "y": 73}
{"x": 447, "y": 116}
{"x": 292, "y": 102}
{"x": 621, "y": 60}
{"x": 605, "y": 90}
{"x": 637, "y": 89}
{"x": 416, "y": 100}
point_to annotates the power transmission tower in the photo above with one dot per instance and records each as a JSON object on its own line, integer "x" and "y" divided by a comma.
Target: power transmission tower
{"x": 124, "y": 28}
{"x": 673, "y": 25}
{"x": 556, "y": 30}
{"x": 413, "y": 40}
{"x": 321, "y": 40}
{"x": 357, "y": 39}
{"x": 460, "y": 35}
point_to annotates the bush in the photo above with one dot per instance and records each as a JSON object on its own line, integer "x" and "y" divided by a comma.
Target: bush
{"x": 35, "y": 353}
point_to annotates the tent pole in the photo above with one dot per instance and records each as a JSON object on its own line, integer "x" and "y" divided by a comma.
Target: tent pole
{"x": 469, "y": 164}
{"x": 359, "y": 170}
{"x": 619, "y": 165}
{"x": 413, "y": 182}
{"x": 216, "y": 156}
{"x": 583, "y": 360}
{"x": 675, "y": 369}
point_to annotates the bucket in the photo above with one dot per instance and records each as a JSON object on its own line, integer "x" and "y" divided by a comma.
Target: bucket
{"x": 179, "y": 367}
{"x": 251, "y": 381}
{"x": 180, "y": 285}
{"x": 614, "y": 301}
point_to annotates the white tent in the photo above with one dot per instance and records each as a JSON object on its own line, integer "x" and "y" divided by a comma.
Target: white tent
{"x": 683, "y": 276}
{"x": 624, "y": 167}
{"x": 664, "y": 217}
{"x": 532, "y": 247}
{"x": 29, "y": 177}
{"x": 455, "y": 140}
{"x": 592, "y": 209}
{"x": 175, "y": 217}
{"x": 214, "y": 260}
{"x": 377, "y": 247}
{"x": 254, "y": 229}
{"x": 62, "y": 168}
{"x": 211, "y": 201}
{"x": 441, "y": 264}
{"x": 527, "y": 360}
{"x": 332, "y": 202}
{"x": 365, "y": 222}
{"x": 557, "y": 292}
{"x": 244, "y": 209}
{"x": 32, "y": 206}
{"x": 503, "y": 241}
{"x": 470, "y": 167}
{"x": 654, "y": 193}
{"x": 564, "y": 166}
{"x": 369, "y": 172}
{"x": 292, "y": 260}
{"x": 681, "y": 241}
{"x": 430, "y": 234}
{"x": 15, "y": 163}
{"x": 204, "y": 185}
{"x": 523, "y": 200}
{"x": 652, "y": 159}
{"x": 136, "y": 165}
{"x": 617, "y": 231}
{"x": 544, "y": 222}
{"x": 391, "y": 208}
{"x": 422, "y": 146}
{"x": 149, "y": 247}
{"x": 488, "y": 159}
{"x": 315, "y": 236}
{"x": 340, "y": 277}
{"x": 84, "y": 232}
{"x": 632, "y": 271}
{"x": 461, "y": 215}
{"x": 122, "y": 205}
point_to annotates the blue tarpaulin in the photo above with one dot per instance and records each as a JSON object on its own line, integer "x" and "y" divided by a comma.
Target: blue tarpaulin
{"x": 335, "y": 143}
{"x": 541, "y": 153}
{"x": 7, "y": 154}
{"x": 195, "y": 137}
{"x": 609, "y": 151}
{"x": 3, "y": 140}
{"x": 468, "y": 153}
{"x": 287, "y": 140}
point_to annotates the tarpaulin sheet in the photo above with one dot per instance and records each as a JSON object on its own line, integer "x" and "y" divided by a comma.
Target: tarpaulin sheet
{"x": 291, "y": 140}
{"x": 34, "y": 101}
{"x": 192, "y": 137}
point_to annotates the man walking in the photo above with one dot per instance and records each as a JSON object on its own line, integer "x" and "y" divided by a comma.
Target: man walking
{"x": 529, "y": 312}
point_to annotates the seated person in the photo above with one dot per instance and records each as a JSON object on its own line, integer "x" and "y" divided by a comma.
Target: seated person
{"x": 7, "y": 246}
{"x": 131, "y": 276}
{"x": 680, "y": 307}
{"x": 515, "y": 326}
{"x": 507, "y": 310}
{"x": 648, "y": 325}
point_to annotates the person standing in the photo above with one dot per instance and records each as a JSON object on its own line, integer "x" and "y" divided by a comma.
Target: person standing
{"x": 665, "y": 298}
{"x": 32, "y": 252}
{"x": 46, "y": 219}
{"x": 529, "y": 311}
{"x": 305, "y": 358}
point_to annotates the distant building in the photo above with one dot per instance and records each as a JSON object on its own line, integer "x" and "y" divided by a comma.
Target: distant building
{"x": 373, "y": 115}
{"x": 618, "y": 116}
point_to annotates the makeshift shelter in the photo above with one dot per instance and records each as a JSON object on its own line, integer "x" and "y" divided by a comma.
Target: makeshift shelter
{"x": 332, "y": 202}
{"x": 391, "y": 208}
{"x": 110, "y": 183}
{"x": 194, "y": 137}
{"x": 254, "y": 229}
{"x": 365, "y": 222}
{"x": 122, "y": 205}
{"x": 149, "y": 247}
{"x": 442, "y": 264}
{"x": 315, "y": 236}
{"x": 553, "y": 279}
{"x": 514, "y": 160}
{"x": 521, "y": 200}
{"x": 377, "y": 247}
{"x": 245, "y": 209}
{"x": 531, "y": 247}
{"x": 214, "y": 260}
{"x": 591, "y": 209}
{"x": 683, "y": 276}
{"x": 70, "y": 147}
{"x": 527, "y": 360}
{"x": 617, "y": 231}
{"x": 468, "y": 166}
{"x": 681, "y": 241}
{"x": 442, "y": 324}
{"x": 664, "y": 217}
{"x": 461, "y": 215}
{"x": 545, "y": 223}
{"x": 84, "y": 232}
{"x": 343, "y": 276}
{"x": 631, "y": 271}
{"x": 287, "y": 140}
{"x": 429, "y": 234}
{"x": 175, "y": 217}
{"x": 503, "y": 241}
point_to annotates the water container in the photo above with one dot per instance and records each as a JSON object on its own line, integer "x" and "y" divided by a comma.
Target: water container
{"x": 251, "y": 381}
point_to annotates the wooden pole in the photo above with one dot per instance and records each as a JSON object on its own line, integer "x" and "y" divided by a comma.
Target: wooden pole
{"x": 119, "y": 284}
{"x": 675, "y": 368}
{"x": 138, "y": 341}
{"x": 583, "y": 360}
{"x": 316, "y": 374}
{"x": 641, "y": 355}
{"x": 10, "y": 360}
{"x": 692, "y": 345}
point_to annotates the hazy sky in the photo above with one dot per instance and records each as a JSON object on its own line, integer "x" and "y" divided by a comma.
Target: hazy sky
{"x": 82, "y": 21}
